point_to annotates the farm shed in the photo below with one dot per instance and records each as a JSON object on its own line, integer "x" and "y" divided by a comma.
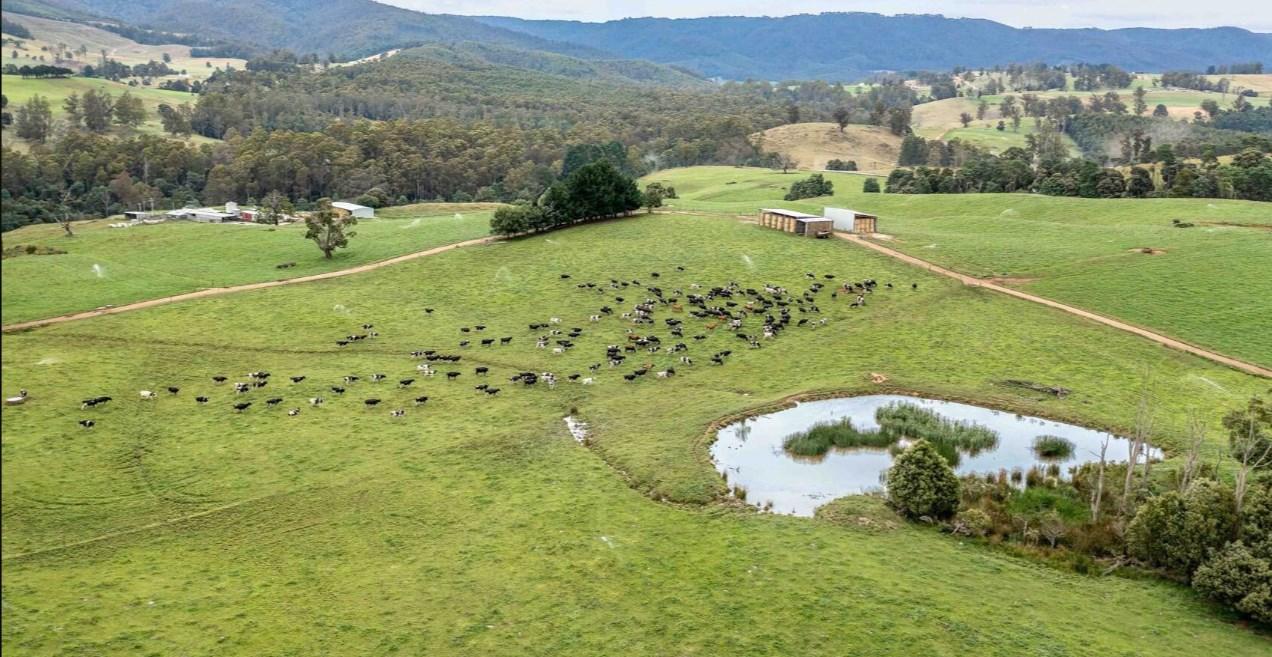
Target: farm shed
{"x": 345, "y": 209}
{"x": 205, "y": 215}
{"x": 798, "y": 223}
{"x": 852, "y": 221}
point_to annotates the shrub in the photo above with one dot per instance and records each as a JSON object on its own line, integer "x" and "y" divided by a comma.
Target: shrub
{"x": 811, "y": 187}
{"x": 819, "y": 438}
{"x": 1180, "y": 531}
{"x": 1239, "y": 579}
{"x": 871, "y": 185}
{"x": 841, "y": 165}
{"x": 972, "y": 522}
{"x": 1053, "y": 447}
{"x": 921, "y": 483}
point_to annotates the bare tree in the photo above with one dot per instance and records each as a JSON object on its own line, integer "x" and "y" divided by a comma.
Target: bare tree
{"x": 1192, "y": 458}
{"x": 63, "y": 216}
{"x": 1138, "y": 445}
{"x": 1097, "y": 493}
{"x": 1250, "y": 442}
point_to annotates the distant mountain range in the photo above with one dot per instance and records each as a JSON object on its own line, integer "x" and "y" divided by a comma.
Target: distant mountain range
{"x": 832, "y": 46}
{"x": 839, "y": 46}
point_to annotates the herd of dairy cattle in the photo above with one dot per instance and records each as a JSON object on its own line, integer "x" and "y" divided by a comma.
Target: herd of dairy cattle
{"x": 755, "y": 316}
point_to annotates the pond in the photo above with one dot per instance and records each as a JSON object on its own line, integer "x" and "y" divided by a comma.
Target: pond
{"x": 751, "y": 455}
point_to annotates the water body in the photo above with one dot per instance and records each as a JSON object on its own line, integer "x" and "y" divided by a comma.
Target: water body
{"x": 750, "y": 453}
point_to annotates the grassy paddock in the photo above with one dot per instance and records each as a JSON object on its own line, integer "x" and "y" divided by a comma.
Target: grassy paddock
{"x": 1206, "y": 286}
{"x": 147, "y": 262}
{"x": 476, "y": 525}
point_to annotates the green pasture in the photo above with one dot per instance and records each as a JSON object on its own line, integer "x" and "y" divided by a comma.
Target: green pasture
{"x": 113, "y": 266}
{"x": 1208, "y": 287}
{"x": 56, "y": 91}
{"x": 476, "y": 525}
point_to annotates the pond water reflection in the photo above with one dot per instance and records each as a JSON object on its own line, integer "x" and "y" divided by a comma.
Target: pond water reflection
{"x": 750, "y": 453}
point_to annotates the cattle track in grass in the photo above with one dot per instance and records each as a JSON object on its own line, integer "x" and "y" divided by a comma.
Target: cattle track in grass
{"x": 218, "y": 291}
{"x": 1173, "y": 343}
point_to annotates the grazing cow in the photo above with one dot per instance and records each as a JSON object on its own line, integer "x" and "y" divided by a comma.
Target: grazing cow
{"x": 242, "y": 406}
{"x": 405, "y": 382}
{"x": 428, "y": 311}
{"x": 589, "y": 381}
{"x": 260, "y": 384}
{"x": 629, "y": 377}
{"x": 315, "y": 401}
{"x": 241, "y": 387}
{"x": 378, "y": 377}
{"x": 350, "y": 379}
{"x": 87, "y": 424}
{"x": 464, "y": 329}
{"x": 451, "y": 376}
{"x": 146, "y": 394}
{"x": 371, "y": 402}
{"x": 482, "y": 371}
{"x": 201, "y": 399}
{"x": 338, "y": 390}
{"x": 685, "y": 360}
{"x": 218, "y": 379}
{"x": 419, "y": 401}
{"x": 667, "y": 373}
{"x": 297, "y": 379}
{"x": 87, "y": 403}
{"x": 273, "y": 402}
{"x": 397, "y": 413}
{"x": 173, "y": 390}
{"x": 425, "y": 369}
{"x": 480, "y": 327}
{"x": 492, "y": 391}
{"x": 342, "y": 343}
{"x": 574, "y": 377}
{"x": 293, "y": 412}
{"x": 503, "y": 341}
{"x": 367, "y": 327}
{"x": 487, "y": 342}
{"x": 914, "y": 286}
{"x": 481, "y": 387}
{"x": 463, "y": 343}
{"x": 554, "y": 320}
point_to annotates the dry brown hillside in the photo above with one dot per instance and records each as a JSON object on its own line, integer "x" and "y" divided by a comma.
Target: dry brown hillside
{"x": 811, "y": 145}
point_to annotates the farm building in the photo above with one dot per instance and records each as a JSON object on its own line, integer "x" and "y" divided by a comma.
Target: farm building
{"x": 798, "y": 223}
{"x": 852, "y": 221}
{"x": 345, "y": 209}
{"x": 204, "y": 215}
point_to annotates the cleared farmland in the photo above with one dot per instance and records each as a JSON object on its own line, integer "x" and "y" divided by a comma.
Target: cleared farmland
{"x": 475, "y": 524}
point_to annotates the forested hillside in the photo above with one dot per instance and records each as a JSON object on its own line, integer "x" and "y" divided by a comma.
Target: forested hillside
{"x": 844, "y": 46}
{"x": 348, "y": 29}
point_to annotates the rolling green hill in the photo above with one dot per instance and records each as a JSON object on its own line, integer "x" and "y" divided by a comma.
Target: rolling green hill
{"x": 476, "y": 525}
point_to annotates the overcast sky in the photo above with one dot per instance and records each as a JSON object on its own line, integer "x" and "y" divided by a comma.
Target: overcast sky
{"x": 1250, "y": 14}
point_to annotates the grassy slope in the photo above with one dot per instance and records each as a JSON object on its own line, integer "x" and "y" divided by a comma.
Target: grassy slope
{"x": 1208, "y": 288}
{"x": 49, "y": 33}
{"x": 58, "y": 89}
{"x": 461, "y": 530}
{"x": 940, "y": 120}
{"x": 146, "y": 262}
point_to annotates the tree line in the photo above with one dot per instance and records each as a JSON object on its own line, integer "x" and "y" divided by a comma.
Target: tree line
{"x": 1249, "y": 176}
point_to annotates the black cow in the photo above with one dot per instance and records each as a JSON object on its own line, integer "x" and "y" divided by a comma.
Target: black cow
{"x": 88, "y": 424}
{"x": 242, "y": 406}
